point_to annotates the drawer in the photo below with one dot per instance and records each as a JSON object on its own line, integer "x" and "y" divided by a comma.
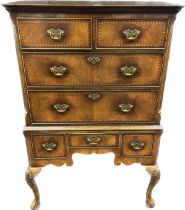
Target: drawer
{"x": 93, "y": 140}
{"x": 66, "y": 69}
{"x": 52, "y": 146}
{"x": 84, "y": 106}
{"x": 138, "y": 144}
{"x": 119, "y": 33}
{"x": 62, "y": 33}
{"x": 140, "y": 147}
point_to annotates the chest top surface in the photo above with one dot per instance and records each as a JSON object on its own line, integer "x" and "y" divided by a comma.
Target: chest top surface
{"x": 93, "y": 6}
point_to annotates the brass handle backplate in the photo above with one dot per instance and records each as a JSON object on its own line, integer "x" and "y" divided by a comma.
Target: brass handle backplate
{"x": 137, "y": 145}
{"x": 49, "y": 146}
{"x": 93, "y": 140}
{"x": 94, "y": 60}
{"x": 56, "y": 34}
{"x": 128, "y": 70}
{"x": 126, "y": 107}
{"x": 131, "y": 34}
{"x": 94, "y": 96}
{"x": 61, "y": 107}
{"x": 58, "y": 70}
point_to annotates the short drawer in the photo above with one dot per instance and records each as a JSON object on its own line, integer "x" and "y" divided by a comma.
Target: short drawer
{"x": 103, "y": 70}
{"x": 52, "y": 146}
{"x": 90, "y": 107}
{"x": 93, "y": 140}
{"x": 62, "y": 33}
{"x": 119, "y": 33}
{"x": 138, "y": 144}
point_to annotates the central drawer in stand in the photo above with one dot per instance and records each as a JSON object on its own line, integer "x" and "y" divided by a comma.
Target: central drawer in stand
{"x": 93, "y": 77}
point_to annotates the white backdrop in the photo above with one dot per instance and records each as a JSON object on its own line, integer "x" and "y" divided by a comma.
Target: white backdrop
{"x": 93, "y": 182}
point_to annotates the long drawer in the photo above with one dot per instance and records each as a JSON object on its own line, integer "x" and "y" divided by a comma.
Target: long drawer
{"x": 89, "y": 107}
{"x": 43, "y": 69}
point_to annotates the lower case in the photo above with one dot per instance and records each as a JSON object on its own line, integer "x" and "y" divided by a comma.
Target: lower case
{"x": 55, "y": 145}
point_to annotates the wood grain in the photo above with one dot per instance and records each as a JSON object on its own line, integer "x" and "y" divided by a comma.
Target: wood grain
{"x": 92, "y": 29}
{"x": 107, "y": 72}
{"x": 109, "y": 33}
{"x": 113, "y": 141}
{"x": 77, "y": 33}
{"x": 84, "y": 110}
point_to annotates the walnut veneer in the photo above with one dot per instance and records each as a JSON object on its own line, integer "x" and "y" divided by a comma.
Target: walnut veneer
{"x": 93, "y": 77}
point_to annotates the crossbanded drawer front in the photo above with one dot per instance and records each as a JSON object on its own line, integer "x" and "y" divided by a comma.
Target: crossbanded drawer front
{"x": 48, "y": 146}
{"x": 93, "y": 69}
{"x": 140, "y": 147}
{"x": 89, "y": 107}
{"x": 119, "y": 33}
{"x": 138, "y": 144}
{"x": 55, "y": 33}
{"x": 93, "y": 140}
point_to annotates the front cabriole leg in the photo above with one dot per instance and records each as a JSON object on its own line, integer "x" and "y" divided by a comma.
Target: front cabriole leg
{"x": 30, "y": 179}
{"x": 155, "y": 176}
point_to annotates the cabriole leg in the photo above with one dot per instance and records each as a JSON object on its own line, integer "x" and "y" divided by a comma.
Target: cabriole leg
{"x": 30, "y": 179}
{"x": 155, "y": 176}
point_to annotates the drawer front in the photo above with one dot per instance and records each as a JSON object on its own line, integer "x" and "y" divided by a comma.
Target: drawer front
{"x": 120, "y": 33}
{"x": 84, "y": 107}
{"x": 93, "y": 140}
{"x": 52, "y": 146}
{"x": 138, "y": 144}
{"x": 55, "y": 33}
{"x": 66, "y": 69}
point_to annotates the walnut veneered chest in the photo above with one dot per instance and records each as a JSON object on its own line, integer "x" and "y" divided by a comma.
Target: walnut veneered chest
{"x": 93, "y": 78}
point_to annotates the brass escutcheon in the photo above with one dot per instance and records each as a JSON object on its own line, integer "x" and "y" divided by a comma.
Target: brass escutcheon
{"x": 49, "y": 146}
{"x": 61, "y": 107}
{"x": 128, "y": 70}
{"x": 131, "y": 34}
{"x": 94, "y": 96}
{"x": 58, "y": 70}
{"x": 137, "y": 145}
{"x": 93, "y": 140}
{"x": 94, "y": 60}
{"x": 56, "y": 34}
{"x": 126, "y": 107}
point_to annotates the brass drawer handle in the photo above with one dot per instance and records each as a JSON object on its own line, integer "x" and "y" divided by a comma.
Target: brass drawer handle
{"x": 49, "y": 146}
{"x": 94, "y": 96}
{"x": 58, "y": 70}
{"x": 137, "y": 145}
{"x": 131, "y": 34}
{"x": 126, "y": 107}
{"x": 61, "y": 107}
{"x": 128, "y": 70}
{"x": 93, "y": 60}
{"x": 93, "y": 140}
{"x": 56, "y": 34}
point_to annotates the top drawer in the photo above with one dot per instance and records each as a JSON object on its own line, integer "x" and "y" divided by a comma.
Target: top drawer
{"x": 120, "y": 33}
{"x": 65, "y": 33}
